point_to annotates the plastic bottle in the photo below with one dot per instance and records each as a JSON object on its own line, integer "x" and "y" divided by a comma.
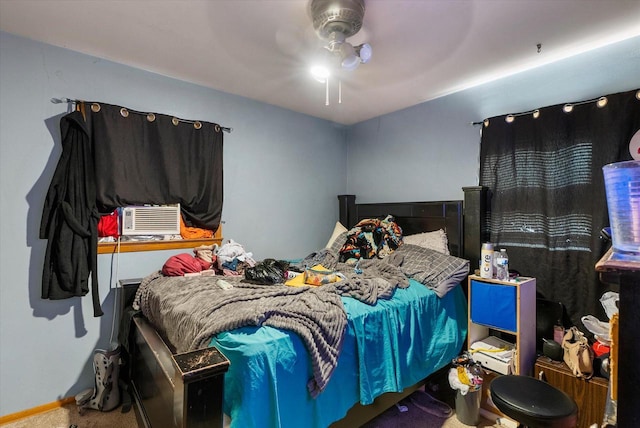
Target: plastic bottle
{"x": 502, "y": 265}
{"x": 486, "y": 264}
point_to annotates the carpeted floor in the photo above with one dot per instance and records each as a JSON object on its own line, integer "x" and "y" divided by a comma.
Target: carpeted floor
{"x": 422, "y": 411}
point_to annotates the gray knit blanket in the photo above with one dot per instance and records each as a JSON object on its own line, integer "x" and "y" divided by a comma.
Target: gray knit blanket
{"x": 189, "y": 311}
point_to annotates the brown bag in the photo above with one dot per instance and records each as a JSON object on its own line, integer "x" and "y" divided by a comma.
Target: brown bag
{"x": 577, "y": 353}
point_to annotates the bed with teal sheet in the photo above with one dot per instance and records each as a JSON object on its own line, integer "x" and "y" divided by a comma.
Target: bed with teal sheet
{"x": 387, "y": 348}
{"x": 386, "y": 351}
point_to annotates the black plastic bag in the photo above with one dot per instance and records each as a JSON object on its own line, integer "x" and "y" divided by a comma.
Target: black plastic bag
{"x": 268, "y": 271}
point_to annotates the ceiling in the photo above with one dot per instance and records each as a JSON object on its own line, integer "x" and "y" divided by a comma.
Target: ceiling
{"x": 259, "y": 49}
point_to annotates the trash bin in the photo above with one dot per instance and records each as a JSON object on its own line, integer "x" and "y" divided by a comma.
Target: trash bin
{"x": 468, "y": 406}
{"x": 466, "y": 378}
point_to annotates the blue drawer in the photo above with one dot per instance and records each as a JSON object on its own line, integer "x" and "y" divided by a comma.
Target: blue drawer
{"x": 494, "y": 305}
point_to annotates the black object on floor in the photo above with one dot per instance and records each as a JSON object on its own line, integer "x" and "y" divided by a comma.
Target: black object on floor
{"x": 532, "y": 402}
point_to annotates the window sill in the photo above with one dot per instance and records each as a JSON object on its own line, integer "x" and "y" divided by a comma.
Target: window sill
{"x": 137, "y": 246}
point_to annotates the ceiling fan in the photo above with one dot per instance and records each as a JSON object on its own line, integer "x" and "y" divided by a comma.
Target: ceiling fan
{"x": 334, "y": 21}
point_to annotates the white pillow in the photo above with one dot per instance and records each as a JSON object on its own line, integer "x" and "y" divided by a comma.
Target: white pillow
{"x": 338, "y": 230}
{"x": 436, "y": 240}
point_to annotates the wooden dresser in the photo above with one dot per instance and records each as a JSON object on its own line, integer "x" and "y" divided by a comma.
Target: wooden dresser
{"x": 590, "y": 395}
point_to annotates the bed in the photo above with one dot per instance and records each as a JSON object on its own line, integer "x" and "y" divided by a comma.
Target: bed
{"x": 259, "y": 376}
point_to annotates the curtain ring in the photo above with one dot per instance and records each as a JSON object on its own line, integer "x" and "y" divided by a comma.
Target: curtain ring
{"x": 151, "y": 117}
{"x": 124, "y": 112}
{"x": 175, "y": 121}
{"x": 95, "y": 107}
{"x": 197, "y": 124}
{"x": 602, "y": 101}
{"x": 217, "y": 128}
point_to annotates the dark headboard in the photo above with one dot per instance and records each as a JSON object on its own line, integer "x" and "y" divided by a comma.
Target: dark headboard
{"x": 412, "y": 217}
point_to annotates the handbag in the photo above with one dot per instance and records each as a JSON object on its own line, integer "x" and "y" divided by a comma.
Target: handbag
{"x": 577, "y": 353}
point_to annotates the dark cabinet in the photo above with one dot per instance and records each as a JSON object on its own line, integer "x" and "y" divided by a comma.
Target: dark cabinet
{"x": 589, "y": 394}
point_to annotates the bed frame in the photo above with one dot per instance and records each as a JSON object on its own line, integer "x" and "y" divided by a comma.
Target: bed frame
{"x": 186, "y": 390}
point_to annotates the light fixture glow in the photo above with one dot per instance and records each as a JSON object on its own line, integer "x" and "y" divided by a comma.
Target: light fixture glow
{"x": 320, "y": 72}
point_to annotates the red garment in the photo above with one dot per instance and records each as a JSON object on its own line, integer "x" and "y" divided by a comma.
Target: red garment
{"x": 183, "y": 263}
{"x": 600, "y": 348}
{"x": 108, "y": 225}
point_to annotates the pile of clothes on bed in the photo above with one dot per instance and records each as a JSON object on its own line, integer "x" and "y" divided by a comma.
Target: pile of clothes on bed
{"x": 230, "y": 259}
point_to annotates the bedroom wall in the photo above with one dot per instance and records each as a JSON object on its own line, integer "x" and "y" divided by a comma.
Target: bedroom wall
{"x": 430, "y": 151}
{"x": 273, "y": 162}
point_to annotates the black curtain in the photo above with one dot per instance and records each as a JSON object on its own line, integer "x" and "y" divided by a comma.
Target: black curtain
{"x": 113, "y": 157}
{"x": 548, "y": 203}
{"x": 157, "y": 159}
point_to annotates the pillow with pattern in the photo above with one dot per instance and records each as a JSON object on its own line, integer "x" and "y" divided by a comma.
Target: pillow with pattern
{"x": 440, "y": 272}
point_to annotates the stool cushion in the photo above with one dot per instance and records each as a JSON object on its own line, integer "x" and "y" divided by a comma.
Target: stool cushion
{"x": 532, "y": 402}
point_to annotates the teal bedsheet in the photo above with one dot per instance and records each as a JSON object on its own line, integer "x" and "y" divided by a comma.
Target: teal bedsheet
{"x": 387, "y": 347}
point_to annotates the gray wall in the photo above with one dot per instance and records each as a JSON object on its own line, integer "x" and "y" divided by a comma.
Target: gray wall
{"x": 276, "y": 162}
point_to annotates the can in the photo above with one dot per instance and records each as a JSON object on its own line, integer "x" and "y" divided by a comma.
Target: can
{"x": 486, "y": 262}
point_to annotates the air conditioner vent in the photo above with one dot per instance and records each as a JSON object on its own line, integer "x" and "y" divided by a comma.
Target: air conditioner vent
{"x": 151, "y": 220}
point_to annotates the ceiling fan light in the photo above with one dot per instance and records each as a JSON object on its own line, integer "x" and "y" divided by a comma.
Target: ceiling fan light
{"x": 364, "y": 51}
{"x": 348, "y": 58}
{"x": 320, "y": 72}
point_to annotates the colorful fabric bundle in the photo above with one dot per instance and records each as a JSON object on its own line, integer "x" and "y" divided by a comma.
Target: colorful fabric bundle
{"x": 371, "y": 238}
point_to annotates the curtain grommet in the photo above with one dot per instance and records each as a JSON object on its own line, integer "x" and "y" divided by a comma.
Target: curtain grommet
{"x": 217, "y": 128}
{"x": 510, "y": 118}
{"x": 95, "y": 107}
{"x": 197, "y": 124}
{"x": 486, "y": 123}
{"x": 638, "y": 95}
{"x": 567, "y": 108}
{"x": 602, "y": 101}
{"x": 151, "y": 117}
{"x": 175, "y": 121}
{"x": 536, "y": 114}
{"x": 124, "y": 112}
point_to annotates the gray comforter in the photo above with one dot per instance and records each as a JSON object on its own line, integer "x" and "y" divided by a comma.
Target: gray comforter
{"x": 189, "y": 311}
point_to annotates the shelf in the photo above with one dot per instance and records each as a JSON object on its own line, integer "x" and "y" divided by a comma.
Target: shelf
{"x": 137, "y": 246}
{"x": 508, "y": 307}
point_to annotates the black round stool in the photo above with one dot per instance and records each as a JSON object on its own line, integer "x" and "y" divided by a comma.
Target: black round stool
{"x": 532, "y": 402}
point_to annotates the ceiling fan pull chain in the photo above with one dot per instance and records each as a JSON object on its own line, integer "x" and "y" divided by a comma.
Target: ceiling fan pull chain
{"x": 326, "y": 100}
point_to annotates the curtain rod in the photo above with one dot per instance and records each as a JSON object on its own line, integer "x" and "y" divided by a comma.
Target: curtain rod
{"x": 567, "y": 108}
{"x": 70, "y": 101}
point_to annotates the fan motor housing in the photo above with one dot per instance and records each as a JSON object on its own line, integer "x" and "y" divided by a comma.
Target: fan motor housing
{"x": 337, "y": 16}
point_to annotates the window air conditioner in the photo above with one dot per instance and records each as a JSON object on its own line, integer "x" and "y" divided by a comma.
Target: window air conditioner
{"x": 151, "y": 220}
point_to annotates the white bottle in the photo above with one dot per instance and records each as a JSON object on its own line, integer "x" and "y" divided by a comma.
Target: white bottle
{"x": 486, "y": 262}
{"x": 502, "y": 265}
